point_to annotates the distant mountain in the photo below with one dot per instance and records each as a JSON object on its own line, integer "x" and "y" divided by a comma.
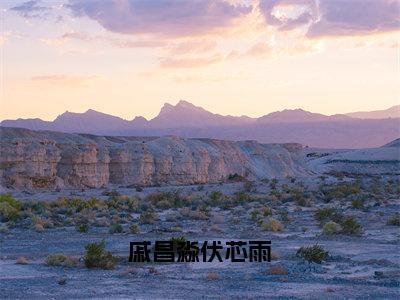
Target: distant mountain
{"x": 298, "y": 116}
{"x": 185, "y": 114}
{"x": 392, "y": 112}
{"x": 187, "y": 120}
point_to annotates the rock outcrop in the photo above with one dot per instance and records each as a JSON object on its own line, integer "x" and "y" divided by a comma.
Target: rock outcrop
{"x": 384, "y": 160}
{"x": 46, "y": 159}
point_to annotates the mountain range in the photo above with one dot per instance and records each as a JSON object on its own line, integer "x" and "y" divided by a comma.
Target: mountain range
{"x": 352, "y": 130}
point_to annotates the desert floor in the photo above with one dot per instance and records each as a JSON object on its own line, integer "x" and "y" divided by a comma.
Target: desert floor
{"x": 359, "y": 266}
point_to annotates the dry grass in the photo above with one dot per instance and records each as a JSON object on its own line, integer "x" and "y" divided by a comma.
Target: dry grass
{"x": 277, "y": 270}
{"x": 22, "y": 260}
{"x": 272, "y": 225}
{"x": 212, "y": 276}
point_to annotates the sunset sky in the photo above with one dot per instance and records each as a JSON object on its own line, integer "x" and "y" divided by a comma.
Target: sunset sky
{"x": 128, "y": 57}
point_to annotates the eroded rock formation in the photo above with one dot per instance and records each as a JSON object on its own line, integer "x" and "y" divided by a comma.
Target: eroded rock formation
{"x": 45, "y": 159}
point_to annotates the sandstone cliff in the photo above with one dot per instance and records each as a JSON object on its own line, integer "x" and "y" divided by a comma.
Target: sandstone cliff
{"x": 45, "y": 159}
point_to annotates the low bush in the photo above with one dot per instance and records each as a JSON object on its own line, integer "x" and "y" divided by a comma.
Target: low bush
{"x": 147, "y": 217}
{"x": 394, "y": 220}
{"x": 97, "y": 257}
{"x": 82, "y": 228}
{"x": 9, "y": 199}
{"x": 313, "y": 253}
{"x": 266, "y": 211}
{"x": 166, "y": 200}
{"x": 8, "y": 213}
{"x": 331, "y": 228}
{"x": 272, "y": 225}
{"x": 21, "y": 260}
{"x": 241, "y": 197}
{"x": 60, "y": 259}
{"x": 116, "y": 228}
{"x": 357, "y": 203}
{"x": 351, "y": 226}
{"x": 324, "y": 215}
{"x": 134, "y": 228}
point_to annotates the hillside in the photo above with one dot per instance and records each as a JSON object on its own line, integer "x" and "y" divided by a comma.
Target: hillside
{"x": 45, "y": 159}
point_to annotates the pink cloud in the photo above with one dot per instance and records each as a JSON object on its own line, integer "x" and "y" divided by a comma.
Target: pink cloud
{"x": 160, "y": 17}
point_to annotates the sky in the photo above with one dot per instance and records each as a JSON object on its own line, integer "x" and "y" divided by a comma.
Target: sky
{"x": 233, "y": 57}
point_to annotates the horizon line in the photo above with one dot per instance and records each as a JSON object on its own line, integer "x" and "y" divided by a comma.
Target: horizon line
{"x": 197, "y": 106}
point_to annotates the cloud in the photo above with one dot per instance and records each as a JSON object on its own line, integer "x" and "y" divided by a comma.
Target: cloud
{"x": 268, "y": 50}
{"x": 30, "y": 9}
{"x": 113, "y": 41}
{"x": 331, "y": 18}
{"x": 260, "y": 49}
{"x": 189, "y": 62}
{"x": 64, "y": 80}
{"x": 172, "y": 18}
{"x": 349, "y": 18}
{"x": 287, "y": 14}
{"x": 192, "y": 46}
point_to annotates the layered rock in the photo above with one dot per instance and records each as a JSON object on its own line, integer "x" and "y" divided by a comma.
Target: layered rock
{"x": 45, "y": 159}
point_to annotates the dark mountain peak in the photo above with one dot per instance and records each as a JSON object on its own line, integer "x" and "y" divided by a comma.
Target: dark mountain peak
{"x": 90, "y": 114}
{"x": 185, "y": 104}
{"x": 139, "y": 119}
{"x": 182, "y": 106}
{"x": 292, "y": 115}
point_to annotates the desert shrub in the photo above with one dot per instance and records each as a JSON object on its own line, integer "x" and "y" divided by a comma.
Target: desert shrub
{"x": 115, "y": 228}
{"x": 7, "y": 212}
{"x": 97, "y": 257}
{"x": 357, "y": 203}
{"x": 21, "y": 260}
{"x": 315, "y": 253}
{"x": 341, "y": 190}
{"x": 166, "y": 200}
{"x": 195, "y": 214}
{"x": 331, "y": 228}
{"x": 300, "y": 198}
{"x": 327, "y": 214}
{"x": 241, "y": 197}
{"x": 278, "y": 270}
{"x": 205, "y": 210}
{"x": 394, "y": 220}
{"x": 147, "y": 217}
{"x": 60, "y": 259}
{"x": 82, "y": 227}
{"x": 351, "y": 226}
{"x": 9, "y": 208}
{"x": 266, "y": 211}
{"x": 216, "y": 197}
{"x": 8, "y": 198}
{"x": 272, "y": 225}
{"x": 178, "y": 241}
{"x": 134, "y": 228}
